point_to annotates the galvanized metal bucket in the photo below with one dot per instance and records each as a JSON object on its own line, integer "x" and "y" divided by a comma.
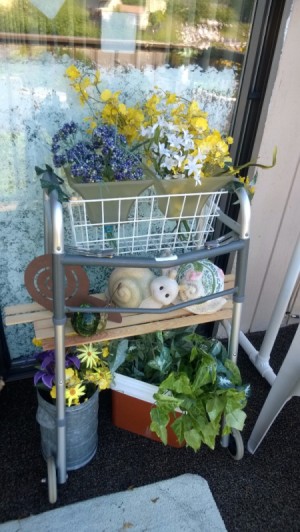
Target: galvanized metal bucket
{"x": 81, "y": 430}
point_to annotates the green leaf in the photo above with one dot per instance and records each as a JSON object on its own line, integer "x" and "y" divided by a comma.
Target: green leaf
{"x": 178, "y": 427}
{"x": 167, "y": 402}
{"x": 236, "y": 419}
{"x": 215, "y": 407}
{"x": 193, "y": 439}
{"x": 206, "y": 372}
{"x": 209, "y": 434}
{"x": 216, "y": 349}
{"x": 235, "y": 400}
{"x": 120, "y": 355}
{"x": 159, "y": 422}
{"x": 178, "y": 383}
{"x": 156, "y": 135}
{"x": 162, "y": 362}
{"x": 234, "y": 374}
{"x": 39, "y": 171}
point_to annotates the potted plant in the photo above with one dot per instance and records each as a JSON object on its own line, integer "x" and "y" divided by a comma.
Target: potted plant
{"x": 183, "y": 385}
{"x": 101, "y": 157}
{"x": 121, "y": 150}
{"x": 86, "y": 374}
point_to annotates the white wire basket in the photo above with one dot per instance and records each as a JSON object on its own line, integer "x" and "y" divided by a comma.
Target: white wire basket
{"x": 152, "y": 226}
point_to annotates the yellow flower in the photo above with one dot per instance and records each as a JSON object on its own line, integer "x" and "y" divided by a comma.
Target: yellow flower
{"x": 171, "y": 98}
{"x": 72, "y": 72}
{"x": 69, "y": 372}
{"x": 199, "y": 123}
{"x": 97, "y": 77}
{"x": 74, "y": 393}
{"x": 122, "y": 108}
{"x": 106, "y": 95}
{"x": 53, "y": 392}
{"x": 37, "y": 342}
{"x": 93, "y": 125}
{"x": 109, "y": 114}
{"x": 193, "y": 108}
{"x": 89, "y": 355}
{"x": 103, "y": 378}
{"x": 105, "y": 352}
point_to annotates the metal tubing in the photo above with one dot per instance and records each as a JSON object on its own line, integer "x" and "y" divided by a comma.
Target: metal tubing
{"x": 245, "y": 212}
{"x": 57, "y": 223}
{"x": 47, "y": 223}
{"x": 241, "y": 272}
{"x": 233, "y": 330}
{"x": 233, "y": 344}
{"x": 164, "y": 310}
{"x": 61, "y": 457}
{"x": 146, "y": 262}
{"x": 59, "y": 320}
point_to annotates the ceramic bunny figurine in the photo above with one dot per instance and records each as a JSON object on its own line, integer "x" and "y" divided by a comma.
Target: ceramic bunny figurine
{"x": 199, "y": 279}
{"x": 163, "y": 291}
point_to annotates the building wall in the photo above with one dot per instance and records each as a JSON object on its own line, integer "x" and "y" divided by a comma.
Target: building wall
{"x": 275, "y": 224}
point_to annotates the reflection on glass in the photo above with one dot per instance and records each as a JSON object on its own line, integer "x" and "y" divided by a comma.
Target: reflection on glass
{"x": 195, "y": 48}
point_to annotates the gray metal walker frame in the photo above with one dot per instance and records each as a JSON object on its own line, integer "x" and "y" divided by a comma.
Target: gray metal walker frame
{"x": 237, "y": 240}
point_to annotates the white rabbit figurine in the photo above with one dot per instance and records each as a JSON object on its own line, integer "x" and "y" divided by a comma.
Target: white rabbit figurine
{"x": 163, "y": 291}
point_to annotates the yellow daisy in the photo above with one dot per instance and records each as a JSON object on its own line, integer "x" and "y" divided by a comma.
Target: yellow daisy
{"x": 74, "y": 393}
{"x": 88, "y": 355}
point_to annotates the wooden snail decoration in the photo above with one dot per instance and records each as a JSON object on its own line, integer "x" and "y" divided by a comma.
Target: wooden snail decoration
{"x": 38, "y": 279}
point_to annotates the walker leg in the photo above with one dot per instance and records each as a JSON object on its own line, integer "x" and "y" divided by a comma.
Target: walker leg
{"x": 59, "y": 320}
{"x": 52, "y": 484}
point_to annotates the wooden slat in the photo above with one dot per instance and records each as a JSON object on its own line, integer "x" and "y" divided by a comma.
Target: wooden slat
{"x": 28, "y": 317}
{"x": 25, "y": 313}
{"x": 161, "y": 323}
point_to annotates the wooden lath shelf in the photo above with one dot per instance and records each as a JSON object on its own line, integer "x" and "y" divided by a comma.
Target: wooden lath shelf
{"x": 132, "y": 324}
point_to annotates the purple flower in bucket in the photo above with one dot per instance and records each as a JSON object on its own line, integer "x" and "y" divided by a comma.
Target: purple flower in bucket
{"x": 46, "y": 371}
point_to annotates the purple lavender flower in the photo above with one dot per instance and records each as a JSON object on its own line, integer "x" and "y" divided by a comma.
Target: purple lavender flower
{"x": 104, "y": 156}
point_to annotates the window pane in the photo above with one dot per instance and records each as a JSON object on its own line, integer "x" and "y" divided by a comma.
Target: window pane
{"x": 195, "y": 49}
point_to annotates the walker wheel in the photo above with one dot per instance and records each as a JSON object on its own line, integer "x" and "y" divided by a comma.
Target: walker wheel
{"x": 236, "y": 445}
{"x": 52, "y": 484}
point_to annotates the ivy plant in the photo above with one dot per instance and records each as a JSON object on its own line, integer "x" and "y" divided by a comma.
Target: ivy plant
{"x": 206, "y": 390}
{"x": 200, "y": 392}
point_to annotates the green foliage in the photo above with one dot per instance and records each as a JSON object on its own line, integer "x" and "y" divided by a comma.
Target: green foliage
{"x": 226, "y": 15}
{"x": 71, "y": 20}
{"x": 156, "y": 18}
{"x": 195, "y": 378}
{"x": 134, "y": 2}
{"x": 192, "y": 11}
{"x": 147, "y": 358}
